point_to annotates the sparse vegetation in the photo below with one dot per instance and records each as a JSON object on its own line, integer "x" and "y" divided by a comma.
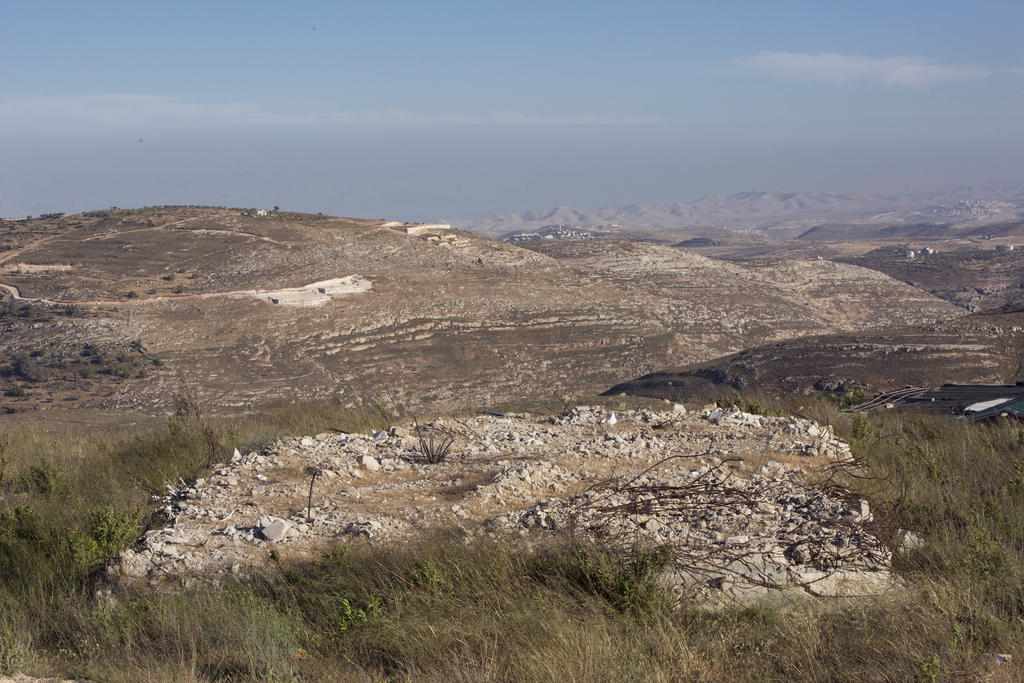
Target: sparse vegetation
{"x": 70, "y": 364}
{"x": 31, "y": 312}
{"x": 71, "y": 501}
{"x": 433, "y": 453}
{"x": 847, "y": 398}
{"x": 754, "y": 406}
{"x": 964, "y": 276}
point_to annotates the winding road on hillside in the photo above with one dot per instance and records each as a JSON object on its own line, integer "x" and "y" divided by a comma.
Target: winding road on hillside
{"x": 358, "y": 285}
{"x": 16, "y": 294}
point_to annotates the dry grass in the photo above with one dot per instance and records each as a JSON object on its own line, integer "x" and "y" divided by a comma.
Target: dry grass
{"x": 439, "y": 608}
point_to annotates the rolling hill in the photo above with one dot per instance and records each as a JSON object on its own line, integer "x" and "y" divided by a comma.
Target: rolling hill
{"x": 252, "y": 310}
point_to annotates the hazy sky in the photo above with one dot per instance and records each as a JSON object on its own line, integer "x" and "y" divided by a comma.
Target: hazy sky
{"x": 456, "y": 109}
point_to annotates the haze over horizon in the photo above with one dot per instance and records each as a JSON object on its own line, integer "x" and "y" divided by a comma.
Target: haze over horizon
{"x": 459, "y": 109}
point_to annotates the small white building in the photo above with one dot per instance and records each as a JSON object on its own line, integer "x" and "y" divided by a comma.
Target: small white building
{"x": 911, "y": 253}
{"x": 1004, "y": 247}
{"x": 927, "y": 251}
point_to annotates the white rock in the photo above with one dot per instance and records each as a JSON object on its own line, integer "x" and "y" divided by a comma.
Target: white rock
{"x": 368, "y": 462}
{"x": 273, "y": 528}
{"x": 849, "y": 583}
{"x": 236, "y": 456}
{"x": 908, "y": 540}
{"x": 679, "y": 408}
{"x": 307, "y": 442}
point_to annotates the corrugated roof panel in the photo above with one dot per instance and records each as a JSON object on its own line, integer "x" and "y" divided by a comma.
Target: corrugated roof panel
{"x": 985, "y": 405}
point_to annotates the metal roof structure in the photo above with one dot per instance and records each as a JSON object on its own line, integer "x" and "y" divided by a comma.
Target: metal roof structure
{"x": 1014, "y": 408}
{"x": 983, "y": 400}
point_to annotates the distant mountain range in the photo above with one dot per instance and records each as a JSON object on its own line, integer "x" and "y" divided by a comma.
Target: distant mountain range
{"x": 775, "y": 214}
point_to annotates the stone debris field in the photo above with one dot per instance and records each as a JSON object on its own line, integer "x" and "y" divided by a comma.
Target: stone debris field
{"x": 738, "y": 498}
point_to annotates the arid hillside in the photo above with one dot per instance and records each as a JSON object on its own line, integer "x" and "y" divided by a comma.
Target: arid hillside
{"x": 254, "y": 309}
{"x": 979, "y": 348}
{"x": 977, "y": 279}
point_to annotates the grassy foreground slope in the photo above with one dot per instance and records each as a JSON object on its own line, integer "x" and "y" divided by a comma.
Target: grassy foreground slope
{"x": 438, "y": 608}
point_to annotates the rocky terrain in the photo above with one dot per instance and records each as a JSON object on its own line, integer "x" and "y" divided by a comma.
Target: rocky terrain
{"x": 978, "y": 348}
{"x": 976, "y": 279}
{"x": 741, "y": 500}
{"x": 439, "y": 318}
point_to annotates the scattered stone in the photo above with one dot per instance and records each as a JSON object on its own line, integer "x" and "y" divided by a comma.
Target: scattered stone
{"x": 366, "y": 529}
{"x": 908, "y": 540}
{"x": 849, "y": 584}
{"x": 740, "y": 533}
{"x": 273, "y": 528}
{"x": 368, "y": 462}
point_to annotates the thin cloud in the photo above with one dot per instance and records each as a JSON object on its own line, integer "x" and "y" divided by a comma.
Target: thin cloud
{"x": 515, "y": 119}
{"x": 1016, "y": 70}
{"x": 830, "y": 67}
{"x": 112, "y": 112}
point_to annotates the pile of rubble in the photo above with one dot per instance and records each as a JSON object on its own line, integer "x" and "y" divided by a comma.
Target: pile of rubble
{"x": 733, "y": 494}
{"x": 744, "y": 536}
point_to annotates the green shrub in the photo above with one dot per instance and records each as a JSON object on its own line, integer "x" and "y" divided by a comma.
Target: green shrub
{"x": 34, "y": 548}
{"x": 861, "y": 429}
{"x": 429, "y": 575}
{"x": 42, "y": 479}
{"x": 12, "y": 652}
{"x": 630, "y": 582}
{"x": 113, "y": 529}
{"x": 747, "y": 405}
{"x": 847, "y": 399}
